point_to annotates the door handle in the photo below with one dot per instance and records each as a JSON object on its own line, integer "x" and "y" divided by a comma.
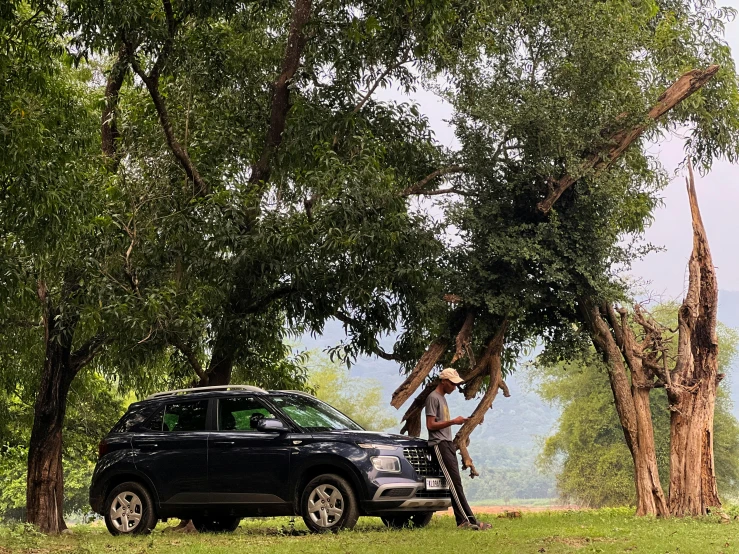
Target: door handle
{"x": 224, "y": 443}
{"x": 148, "y": 445}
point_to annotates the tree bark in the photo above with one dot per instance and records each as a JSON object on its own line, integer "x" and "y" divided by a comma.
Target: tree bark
{"x": 45, "y": 479}
{"x": 694, "y": 383}
{"x": 494, "y": 365}
{"x": 632, "y": 405}
{"x": 424, "y": 366}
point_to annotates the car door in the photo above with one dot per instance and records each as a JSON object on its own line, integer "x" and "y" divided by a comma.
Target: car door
{"x": 173, "y": 452}
{"x": 246, "y": 465}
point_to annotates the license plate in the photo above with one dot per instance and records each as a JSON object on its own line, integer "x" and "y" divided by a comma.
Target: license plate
{"x": 436, "y": 484}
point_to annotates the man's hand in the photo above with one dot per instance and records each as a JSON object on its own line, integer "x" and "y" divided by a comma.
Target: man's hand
{"x": 459, "y": 420}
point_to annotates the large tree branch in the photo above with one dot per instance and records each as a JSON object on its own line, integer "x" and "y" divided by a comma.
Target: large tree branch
{"x": 296, "y": 40}
{"x": 685, "y": 86}
{"x": 419, "y": 186}
{"x": 188, "y": 353}
{"x": 151, "y": 81}
{"x": 87, "y": 352}
{"x": 412, "y": 417}
{"x": 420, "y": 372}
{"x": 152, "y": 85}
{"x": 462, "y": 439}
{"x": 109, "y": 129}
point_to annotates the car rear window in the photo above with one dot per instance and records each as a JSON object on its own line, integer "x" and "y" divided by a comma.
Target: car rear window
{"x": 180, "y": 416}
{"x": 130, "y": 420}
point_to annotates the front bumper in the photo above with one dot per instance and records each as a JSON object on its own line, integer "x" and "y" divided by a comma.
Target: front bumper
{"x": 407, "y": 497}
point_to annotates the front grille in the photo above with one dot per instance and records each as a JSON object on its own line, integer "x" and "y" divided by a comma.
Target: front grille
{"x": 419, "y": 459}
{"x": 397, "y": 492}
{"x": 433, "y": 494}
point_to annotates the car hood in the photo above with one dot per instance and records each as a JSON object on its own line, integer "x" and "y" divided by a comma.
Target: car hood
{"x": 371, "y": 437}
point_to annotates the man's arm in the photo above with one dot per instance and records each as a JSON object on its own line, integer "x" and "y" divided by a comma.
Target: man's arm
{"x": 433, "y": 425}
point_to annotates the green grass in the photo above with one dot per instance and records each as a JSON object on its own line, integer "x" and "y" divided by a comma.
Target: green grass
{"x": 615, "y": 530}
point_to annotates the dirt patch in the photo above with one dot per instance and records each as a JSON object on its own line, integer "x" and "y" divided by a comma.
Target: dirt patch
{"x": 524, "y": 509}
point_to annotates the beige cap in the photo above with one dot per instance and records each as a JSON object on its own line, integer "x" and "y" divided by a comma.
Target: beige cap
{"x": 451, "y": 374}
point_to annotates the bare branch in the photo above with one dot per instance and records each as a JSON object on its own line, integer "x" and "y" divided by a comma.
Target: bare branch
{"x": 681, "y": 89}
{"x": 462, "y": 439}
{"x": 420, "y": 372}
{"x": 418, "y": 187}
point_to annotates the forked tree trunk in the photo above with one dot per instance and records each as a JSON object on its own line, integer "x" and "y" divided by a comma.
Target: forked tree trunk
{"x": 694, "y": 383}
{"x": 45, "y": 477}
{"x": 632, "y": 404}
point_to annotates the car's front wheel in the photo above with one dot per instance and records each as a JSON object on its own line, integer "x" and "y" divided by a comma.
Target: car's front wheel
{"x": 328, "y": 503}
{"x": 216, "y": 524}
{"x": 129, "y": 510}
{"x": 414, "y": 520}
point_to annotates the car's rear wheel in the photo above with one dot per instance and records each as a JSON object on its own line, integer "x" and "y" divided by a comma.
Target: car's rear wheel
{"x": 328, "y": 503}
{"x": 413, "y": 520}
{"x": 216, "y": 524}
{"x": 129, "y": 510}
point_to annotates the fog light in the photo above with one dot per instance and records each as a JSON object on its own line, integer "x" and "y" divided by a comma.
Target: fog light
{"x": 391, "y": 464}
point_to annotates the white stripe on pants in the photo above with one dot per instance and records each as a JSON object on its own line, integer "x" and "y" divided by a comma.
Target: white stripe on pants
{"x": 449, "y": 482}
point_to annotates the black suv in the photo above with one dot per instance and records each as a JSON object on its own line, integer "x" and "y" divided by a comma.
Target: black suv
{"x": 217, "y": 454}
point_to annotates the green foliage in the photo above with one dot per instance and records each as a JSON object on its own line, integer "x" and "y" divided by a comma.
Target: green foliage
{"x": 359, "y": 398}
{"x": 537, "y": 87}
{"x": 594, "y": 466}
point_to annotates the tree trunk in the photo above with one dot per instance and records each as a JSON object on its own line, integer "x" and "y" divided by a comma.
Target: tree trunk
{"x": 634, "y": 412}
{"x": 45, "y": 478}
{"x": 649, "y": 494}
{"x": 693, "y": 487}
{"x": 693, "y": 388}
{"x": 221, "y": 360}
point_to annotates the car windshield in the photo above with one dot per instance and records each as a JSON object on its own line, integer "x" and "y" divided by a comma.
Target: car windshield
{"x": 313, "y": 415}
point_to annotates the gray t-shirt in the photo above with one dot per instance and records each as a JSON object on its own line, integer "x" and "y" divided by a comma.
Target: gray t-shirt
{"x": 437, "y": 407}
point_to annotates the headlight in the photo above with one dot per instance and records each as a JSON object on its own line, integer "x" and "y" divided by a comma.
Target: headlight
{"x": 391, "y": 464}
{"x": 375, "y": 446}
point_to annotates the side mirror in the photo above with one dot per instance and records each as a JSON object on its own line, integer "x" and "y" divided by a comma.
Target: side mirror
{"x": 271, "y": 425}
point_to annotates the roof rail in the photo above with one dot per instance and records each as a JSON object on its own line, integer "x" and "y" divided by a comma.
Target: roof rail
{"x": 204, "y": 389}
{"x": 295, "y": 392}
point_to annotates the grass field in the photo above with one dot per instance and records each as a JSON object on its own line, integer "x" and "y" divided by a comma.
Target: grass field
{"x": 543, "y": 532}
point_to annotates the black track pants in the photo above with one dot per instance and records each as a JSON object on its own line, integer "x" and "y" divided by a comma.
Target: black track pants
{"x": 447, "y": 456}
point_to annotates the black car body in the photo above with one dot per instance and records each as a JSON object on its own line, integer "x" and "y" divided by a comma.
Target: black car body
{"x": 217, "y": 454}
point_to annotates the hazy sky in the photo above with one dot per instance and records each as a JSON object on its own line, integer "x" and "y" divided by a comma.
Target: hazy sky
{"x": 664, "y": 273}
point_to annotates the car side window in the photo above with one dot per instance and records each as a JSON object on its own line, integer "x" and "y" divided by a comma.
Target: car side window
{"x": 241, "y": 414}
{"x": 184, "y": 416}
{"x": 155, "y": 421}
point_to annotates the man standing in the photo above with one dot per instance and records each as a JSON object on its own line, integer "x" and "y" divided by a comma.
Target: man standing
{"x": 439, "y": 425}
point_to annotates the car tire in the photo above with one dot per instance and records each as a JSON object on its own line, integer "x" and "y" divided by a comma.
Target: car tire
{"x": 129, "y": 510}
{"x": 328, "y": 504}
{"x": 414, "y": 520}
{"x": 227, "y": 524}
